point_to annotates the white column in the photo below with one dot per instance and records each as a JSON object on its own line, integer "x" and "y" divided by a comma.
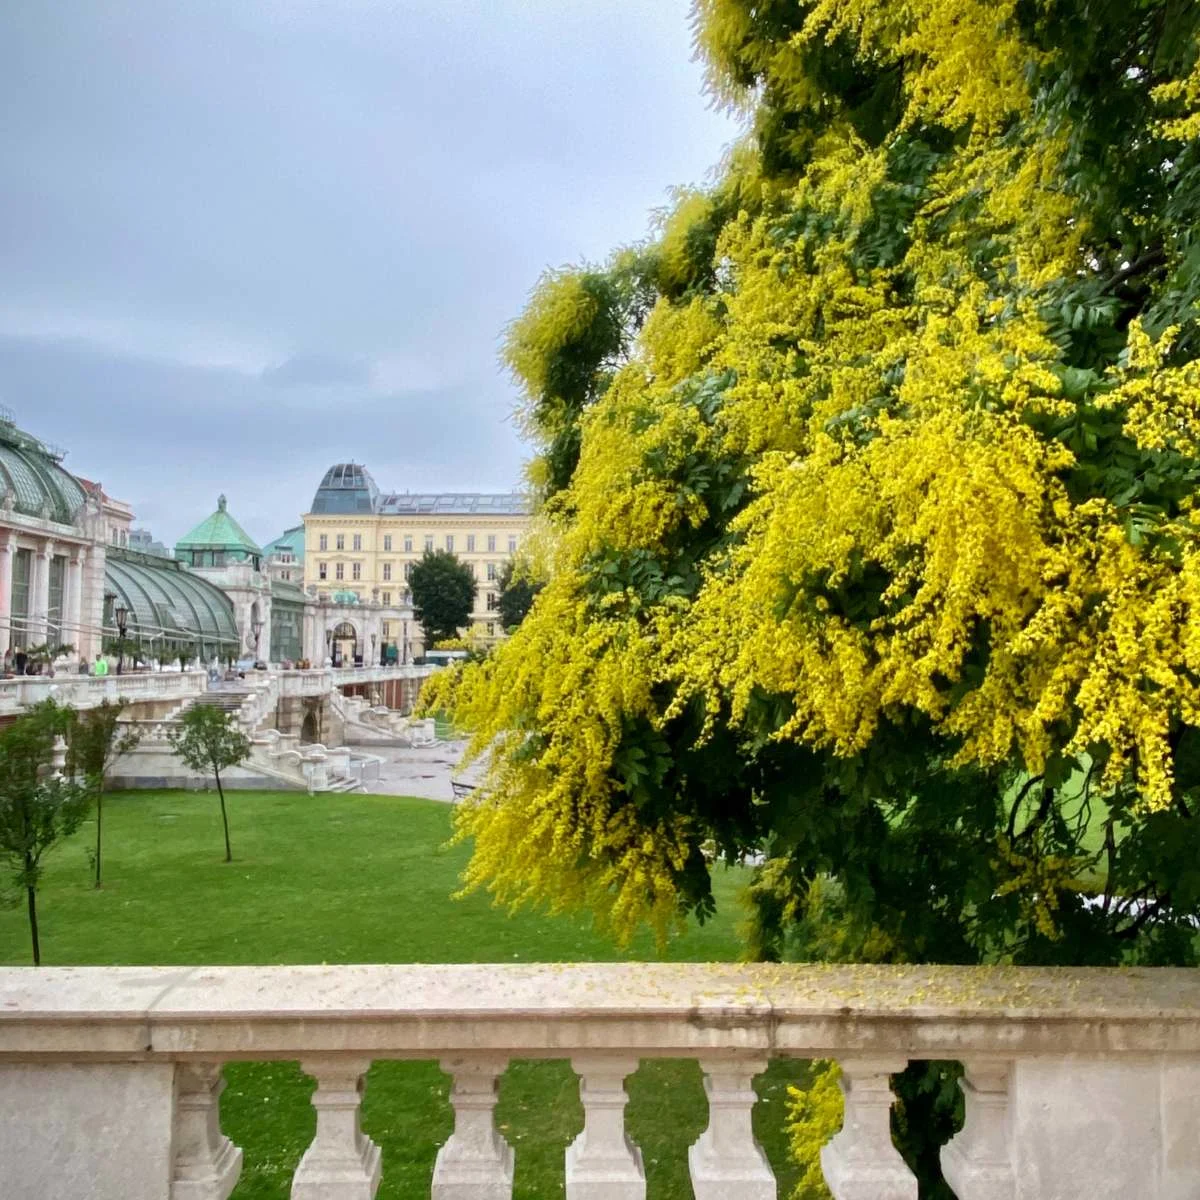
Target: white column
{"x": 476, "y": 1163}
{"x": 602, "y": 1163}
{"x": 860, "y": 1162}
{"x": 73, "y": 600}
{"x": 8, "y": 552}
{"x": 342, "y": 1163}
{"x": 39, "y": 603}
{"x": 207, "y": 1164}
{"x": 726, "y": 1161}
{"x": 977, "y": 1162}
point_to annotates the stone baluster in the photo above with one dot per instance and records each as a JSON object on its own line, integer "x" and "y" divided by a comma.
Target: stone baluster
{"x": 207, "y": 1164}
{"x": 726, "y": 1161}
{"x": 342, "y": 1163}
{"x": 977, "y": 1163}
{"x": 860, "y": 1162}
{"x": 602, "y": 1163}
{"x": 476, "y": 1163}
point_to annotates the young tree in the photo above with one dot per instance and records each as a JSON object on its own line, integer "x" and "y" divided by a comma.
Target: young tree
{"x": 443, "y": 591}
{"x": 96, "y": 739}
{"x": 517, "y": 591}
{"x": 208, "y": 739}
{"x": 37, "y": 807}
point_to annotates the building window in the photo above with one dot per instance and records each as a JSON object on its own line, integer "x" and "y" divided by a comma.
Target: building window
{"x": 406, "y": 597}
{"x": 341, "y": 541}
{"x": 387, "y": 542}
{"x": 491, "y": 629}
{"x": 387, "y": 628}
{"x": 470, "y": 543}
{"x": 429, "y": 541}
{"x": 491, "y": 572}
{"x": 356, "y": 571}
{"x": 491, "y": 543}
{"x": 407, "y": 544}
{"x": 492, "y": 602}
{"x": 114, "y": 537}
{"x": 339, "y": 571}
{"x": 512, "y": 543}
{"x": 324, "y": 542}
{"x": 450, "y": 542}
{"x": 386, "y": 598}
{"x": 387, "y": 572}
{"x": 358, "y": 541}
{"x": 407, "y": 571}
{"x": 322, "y": 570}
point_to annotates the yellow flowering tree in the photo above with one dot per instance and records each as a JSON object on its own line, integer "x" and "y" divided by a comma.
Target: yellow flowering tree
{"x": 868, "y": 501}
{"x": 869, "y": 505}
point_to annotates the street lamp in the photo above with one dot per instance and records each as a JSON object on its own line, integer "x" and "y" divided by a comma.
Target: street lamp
{"x": 374, "y": 638}
{"x": 328, "y": 644}
{"x": 120, "y": 615}
{"x": 256, "y": 627}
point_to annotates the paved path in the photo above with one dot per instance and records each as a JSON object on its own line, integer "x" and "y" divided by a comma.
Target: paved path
{"x": 425, "y": 772}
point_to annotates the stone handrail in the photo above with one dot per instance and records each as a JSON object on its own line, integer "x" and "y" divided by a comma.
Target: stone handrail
{"x": 86, "y": 691}
{"x": 1078, "y": 1083}
{"x": 317, "y": 681}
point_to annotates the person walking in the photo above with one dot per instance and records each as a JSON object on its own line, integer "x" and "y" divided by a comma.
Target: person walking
{"x": 101, "y": 666}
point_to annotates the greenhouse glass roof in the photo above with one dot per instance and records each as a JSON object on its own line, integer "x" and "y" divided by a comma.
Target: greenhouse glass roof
{"x": 165, "y": 601}
{"x": 30, "y": 472}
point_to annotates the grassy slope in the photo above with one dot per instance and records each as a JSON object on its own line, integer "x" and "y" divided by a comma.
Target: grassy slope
{"x": 359, "y": 879}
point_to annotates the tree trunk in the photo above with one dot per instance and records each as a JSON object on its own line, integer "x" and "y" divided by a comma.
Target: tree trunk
{"x": 99, "y": 822}
{"x": 31, "y": 897}
{"x": 224, "y": 817}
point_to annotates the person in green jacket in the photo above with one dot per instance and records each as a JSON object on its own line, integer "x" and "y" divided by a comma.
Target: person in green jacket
{"x": 101, "y": 666}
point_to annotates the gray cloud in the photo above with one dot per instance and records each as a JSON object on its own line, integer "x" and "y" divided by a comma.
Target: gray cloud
{"x": 240, "y": 241}
{"x": 317, "y": 370}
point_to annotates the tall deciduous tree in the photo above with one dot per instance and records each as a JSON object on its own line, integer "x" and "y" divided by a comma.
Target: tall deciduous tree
{"x": 96, "y": 739}
{"x": 443, "y": 591}
{"x": 517, "y": 592}
{"x": 38, "y": 808}
{"x": 871, "y": 481}
{"x": 208, "y": 739}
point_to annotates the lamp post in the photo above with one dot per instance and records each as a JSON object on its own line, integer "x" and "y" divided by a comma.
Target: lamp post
{"x": 121, "y": 616}
{"x": 374, "y": 639}
{"x": 256, "y": 628}
{"x": 328, "y": 644}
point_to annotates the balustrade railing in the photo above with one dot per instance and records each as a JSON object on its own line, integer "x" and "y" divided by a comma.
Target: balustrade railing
{"x": 1078, "y": 1083}
{"x": 86, "y": 691}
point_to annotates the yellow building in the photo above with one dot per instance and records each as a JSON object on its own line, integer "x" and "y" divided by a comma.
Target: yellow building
{"x": 359, "y": 539}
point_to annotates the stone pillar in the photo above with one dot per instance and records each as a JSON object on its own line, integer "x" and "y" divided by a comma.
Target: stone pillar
{"x": 602, "y": 1163}
{"x": 860, "y": 1163}
{"x": 8, "y": 552}
{"x": 342, "y": 1163}
{"x": 39, "y": 603}
{"x": 73, "y": 631}
{"x": 476, "y": 1163}
{"x": 207, "y": 1164}
{"x": 727, "y": 1161}
{"x": 977, "y": 1162}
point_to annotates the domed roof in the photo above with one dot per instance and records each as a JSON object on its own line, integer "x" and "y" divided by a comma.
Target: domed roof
{"x": 32, "y": 479}
{"x": 346, "y": 488}
{"x": 218, "y": 532}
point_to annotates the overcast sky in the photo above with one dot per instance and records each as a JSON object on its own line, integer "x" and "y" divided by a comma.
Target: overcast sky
{"x": 241, "y": 240}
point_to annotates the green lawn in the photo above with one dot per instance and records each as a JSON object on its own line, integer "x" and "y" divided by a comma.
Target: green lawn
{"x": 360, "y": 879}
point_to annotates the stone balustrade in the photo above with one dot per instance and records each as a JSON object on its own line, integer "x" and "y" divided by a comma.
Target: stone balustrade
{"x": 87, "y": 691}
{"x": 1078, "y": 1083}
{"x": 319, "y": 681}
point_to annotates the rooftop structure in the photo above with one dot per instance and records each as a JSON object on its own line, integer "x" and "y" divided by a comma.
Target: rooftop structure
{"x": 346, "y": 488}
{"x": 217, "y": 541}
{"x": 144, "y": 540}
{"x": 32, "y": 478}
{"x": 287, "y": 547}
{"x": 167, "y": 604}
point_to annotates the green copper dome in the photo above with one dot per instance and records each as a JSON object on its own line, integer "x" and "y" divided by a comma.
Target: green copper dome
{"x": 32, "y": 479}
{"x": 218, "y": 535}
